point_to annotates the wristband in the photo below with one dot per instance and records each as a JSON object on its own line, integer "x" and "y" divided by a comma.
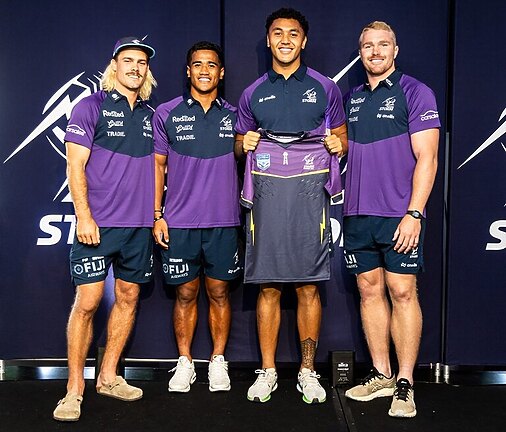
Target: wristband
{"x": 158, "y": 211}
{"x": 158, "y": 218}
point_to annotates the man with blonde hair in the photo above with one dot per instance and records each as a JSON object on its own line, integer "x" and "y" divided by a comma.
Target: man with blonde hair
{"x": 393, "y": 131}
{"x": 109, "y": 142}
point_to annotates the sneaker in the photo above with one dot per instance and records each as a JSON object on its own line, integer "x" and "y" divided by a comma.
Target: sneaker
{"x": 265, "y": 384}
{"x": 403, "y": 404}
{"x": 308, "y": 385}
{"x": 218, "y": 374}
{"x": 372, "y": 386}
{"x": 185, "y": 376}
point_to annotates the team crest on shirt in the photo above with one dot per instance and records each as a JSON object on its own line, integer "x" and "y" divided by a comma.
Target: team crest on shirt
{"x": 226, "y": 123}
{"x": 309, "y": 96}
{"x": 263, "y": 161}
{"x": 388, "y": 104}
{"x": 309, "y": 162}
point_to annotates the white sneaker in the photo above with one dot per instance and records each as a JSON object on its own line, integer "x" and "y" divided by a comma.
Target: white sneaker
{"x": 265, "y": 384}
{"x": 218, "y": 374}
{"x": 308, "y": 385}
{"x": 185, "y": 376}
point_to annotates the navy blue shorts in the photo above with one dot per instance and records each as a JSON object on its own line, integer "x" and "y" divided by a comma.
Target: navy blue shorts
{"x": 215, "y": 250}
{"x": 129, "y": 250}
{"x": 368, "y": 245}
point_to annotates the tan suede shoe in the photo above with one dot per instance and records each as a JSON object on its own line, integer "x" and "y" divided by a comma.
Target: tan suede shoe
{"x": 68, "y": 408}
{"x": 119, "y": 389}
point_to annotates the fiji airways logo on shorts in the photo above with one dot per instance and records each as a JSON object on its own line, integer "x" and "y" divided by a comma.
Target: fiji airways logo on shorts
{"x": 309, "y": 96}
{"x": 309, "y": 162}
{"x": 226, "y": 123}
{"x": 263, "y": 161}
{"x": 429, "y": 115}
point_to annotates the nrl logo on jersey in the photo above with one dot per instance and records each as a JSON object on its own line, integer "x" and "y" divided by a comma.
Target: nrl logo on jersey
{"x": 263, "y": 161}
{"x": 309, "y": 96}
{"x": 227, "y": 123}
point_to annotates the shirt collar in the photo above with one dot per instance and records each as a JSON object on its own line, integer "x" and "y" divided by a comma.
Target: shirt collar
{"x": 389, "y": 81}
{"x": 116, "y": 96}
{"x": 299, "y": 74}
{"x": 190, "y": 101}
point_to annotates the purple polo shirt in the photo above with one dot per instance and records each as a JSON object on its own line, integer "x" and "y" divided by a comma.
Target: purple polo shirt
{"x": 381, "y": 163}
{"x": 202, "y": 181}
{"x": 120, "y": 169}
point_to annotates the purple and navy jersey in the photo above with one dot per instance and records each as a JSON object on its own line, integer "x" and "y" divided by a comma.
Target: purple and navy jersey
{"x": 288, "y": 188}
{"x": 120, "y": 169}
{"x": 306, "y": 101}
{"x": 202, "y": 182}
{"x": 381, "y": 163}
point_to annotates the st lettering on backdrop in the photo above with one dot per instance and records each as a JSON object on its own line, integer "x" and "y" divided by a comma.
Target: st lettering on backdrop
{"x": 36, "y": 220}
{"x": 477, "y": 243}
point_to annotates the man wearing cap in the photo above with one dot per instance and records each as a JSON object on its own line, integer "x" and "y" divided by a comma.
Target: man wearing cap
{"x": 109, "y": 143}
{"x": 198, "y": 231}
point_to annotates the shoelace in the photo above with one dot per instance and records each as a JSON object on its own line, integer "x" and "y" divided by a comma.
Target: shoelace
{"x": 175, "y": 368}
{"x": 372, "y": 375}
{"x": 311, "y": 377}
{"x": 402, "y": 390}
{"x": 262, "y": 375}
{"x": 218, "y": 368}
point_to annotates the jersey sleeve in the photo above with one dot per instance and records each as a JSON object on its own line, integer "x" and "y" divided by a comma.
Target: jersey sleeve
{"x": 82, "y": 122}
{"x": 248, "y": 191}
{"x": 245, "y": 119}
{"x": 334, "y": 113}
{"x": 334, "y": 186}
{"x": 161, "y": 139}
{"x": 422, "y": 107}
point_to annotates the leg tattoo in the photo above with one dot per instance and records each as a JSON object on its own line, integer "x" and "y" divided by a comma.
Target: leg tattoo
{"x": 308, "y": 348}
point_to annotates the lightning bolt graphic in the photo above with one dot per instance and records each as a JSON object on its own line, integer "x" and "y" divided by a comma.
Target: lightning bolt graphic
{"x": 345, "y": 70}
{"x": 252, "y": 228}
{"x": 322, "y": 225}
{"x": 501, "y": 130}
{"x": 64, "y": 108}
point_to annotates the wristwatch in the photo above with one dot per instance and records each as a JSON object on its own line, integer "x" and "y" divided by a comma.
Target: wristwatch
{"x": 415, "y": 213}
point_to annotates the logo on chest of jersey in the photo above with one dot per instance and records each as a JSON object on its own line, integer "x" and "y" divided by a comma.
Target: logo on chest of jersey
{"x": 114, "y": 123}
{"x": 183, "y": 118}
{"x": 106, "y": 113}
{"x": 388, "y": 104}
{"x": 263, "y": 161}
{"x": 147, "y": 124}
{"x": 308, "y": 162}
{"x": 180, "y": 128}
{"x": 357, "y": 100}
{"x": 266, "y": 98}
{"x": 354, "y": 110}
{"x": 309, "y": 96}
{"x": 226, "y": 123}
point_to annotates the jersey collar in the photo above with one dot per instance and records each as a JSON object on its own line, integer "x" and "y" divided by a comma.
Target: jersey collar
{"x": 190, "y": 101}
{"x": 116, "y": 96}
{"x": 299, "y": 74}
{"x": 389, "y": 81}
